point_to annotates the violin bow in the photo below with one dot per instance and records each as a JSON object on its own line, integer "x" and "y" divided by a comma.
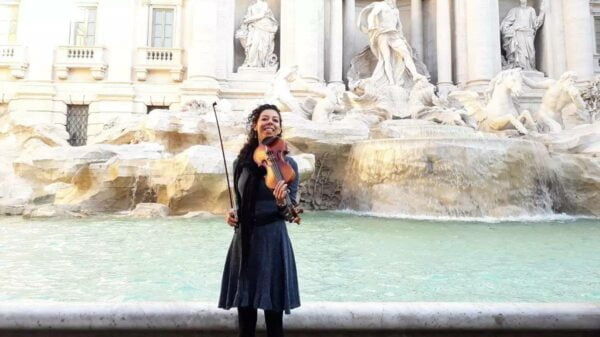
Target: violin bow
{"x": 223, "y": 152}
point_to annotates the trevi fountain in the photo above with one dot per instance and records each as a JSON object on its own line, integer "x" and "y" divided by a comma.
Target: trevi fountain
{"x": 390, "y": 143}
{"x": 494, "y": 123}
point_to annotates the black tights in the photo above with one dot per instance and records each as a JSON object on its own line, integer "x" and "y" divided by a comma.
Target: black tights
{"x": 247, "y": 322}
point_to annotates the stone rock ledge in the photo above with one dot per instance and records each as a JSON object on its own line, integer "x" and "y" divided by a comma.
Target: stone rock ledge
{"x": 371, "y": 318}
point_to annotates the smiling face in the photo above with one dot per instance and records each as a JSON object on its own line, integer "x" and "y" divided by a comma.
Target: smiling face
{"x": 268, "y": 124}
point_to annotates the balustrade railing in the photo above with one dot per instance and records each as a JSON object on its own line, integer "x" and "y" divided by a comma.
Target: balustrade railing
{"x": 169, "y": 59}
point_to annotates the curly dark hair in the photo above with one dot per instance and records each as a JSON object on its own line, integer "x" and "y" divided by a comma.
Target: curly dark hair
{"x": 252, "y": 140}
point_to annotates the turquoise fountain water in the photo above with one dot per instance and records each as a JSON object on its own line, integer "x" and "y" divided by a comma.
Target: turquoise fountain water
{"x": 341, "y": 257}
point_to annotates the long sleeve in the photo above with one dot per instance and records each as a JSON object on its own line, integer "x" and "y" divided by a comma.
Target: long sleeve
{"x": 295, "y": 185}
{"x": 236, "y": 191}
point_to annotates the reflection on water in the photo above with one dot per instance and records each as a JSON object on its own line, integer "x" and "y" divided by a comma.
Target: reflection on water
{"x": 340, "y": 257}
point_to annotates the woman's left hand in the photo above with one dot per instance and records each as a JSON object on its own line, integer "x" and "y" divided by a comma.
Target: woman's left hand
{"x": 280, "y": 192}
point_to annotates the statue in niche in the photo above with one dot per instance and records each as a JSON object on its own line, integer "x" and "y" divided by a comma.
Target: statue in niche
{"x": 257, "y": 36}
{"x": 381, "y": 21}
{"x": 518, "y": 31}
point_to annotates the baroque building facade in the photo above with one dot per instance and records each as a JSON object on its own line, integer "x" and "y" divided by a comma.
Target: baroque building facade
{"x": 89, "y": 61}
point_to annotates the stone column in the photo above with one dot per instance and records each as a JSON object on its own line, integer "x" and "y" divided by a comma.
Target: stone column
{"x": 201, "y": 50}
{"x": 579, "y": 42}
{"x": 302, "y": 37}
{"x": 117, "y": 97}
{"x": 460, "y": 38}
{"x": 349, "y": 33}
{"x": 551, "y": 56}
{"x": 444, "y": 45}
{"x": 483, "y": 42}
{"x": 555, "y": 38}
{"x": 36, "y": 94}
{"x": 416, "y": 27}
{"x": 336, "y": 42}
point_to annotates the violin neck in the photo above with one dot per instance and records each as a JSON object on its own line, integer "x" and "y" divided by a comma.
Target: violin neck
{"x": 278, "y": 174}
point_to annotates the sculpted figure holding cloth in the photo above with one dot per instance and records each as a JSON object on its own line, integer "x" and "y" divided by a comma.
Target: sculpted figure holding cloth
{"x": 257, "y": 36}
{"x": 381, "y": 21}
{"x": 518, "y": 34}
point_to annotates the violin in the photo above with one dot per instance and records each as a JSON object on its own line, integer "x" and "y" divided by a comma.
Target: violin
{"x": 271, "y": 155}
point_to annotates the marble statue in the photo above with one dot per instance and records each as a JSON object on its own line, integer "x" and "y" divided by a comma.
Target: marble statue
{"x": 196, "y": 105}
{"x": 518, "y": 30}
{"x": 257, "y": 36}
{"x": 328, "y": 105}
{"x": 425, "y": 104}
{"x": 591, "y": 97}
{"x": 422, "y": 99}
{"x": 560, "y": 96}
{"x": 280, "y": 92}
{"x": 381, "y": 21}
{"x": 501, "y": 111}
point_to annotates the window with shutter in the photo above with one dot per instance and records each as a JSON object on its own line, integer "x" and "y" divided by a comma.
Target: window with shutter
{"x": 162, "y": 28}
{"x": 84, "y": 27}
{"x": 8, "y": 24}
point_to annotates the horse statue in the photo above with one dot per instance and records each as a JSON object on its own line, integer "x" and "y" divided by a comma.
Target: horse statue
{"x": 501, "y": 110}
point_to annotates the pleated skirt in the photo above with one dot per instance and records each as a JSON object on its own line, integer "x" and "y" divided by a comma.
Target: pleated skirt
{"x": 269, "y": 281}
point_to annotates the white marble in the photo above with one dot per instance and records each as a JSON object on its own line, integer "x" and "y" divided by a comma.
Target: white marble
{"x": 499, "y": 112}
{"x": 302, "y": 25}
{"x": 336, "y": 45}
{"x": 313, "y": 316}
{"x": 444, "y": 45}
{"x": 554, "y": 36}
{"x": 579, "y": 41}
{"x": 460, "y": 60}
{"x": 559, "y": 96}
{"x": 381, "y": 22}
{"x": 483, "y": 41}
{"x": 257, "y": 36}
{"x": 519, "y": 28}
{"x": 202, "y": 45}
{"x": 416, "y": 26}
{"x": 349, "y": 32}
{"x": 122, "y": 74}
{"x": 201, "y": 62}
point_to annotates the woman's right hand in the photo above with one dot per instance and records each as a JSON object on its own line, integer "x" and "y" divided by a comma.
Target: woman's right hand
{"x": 231, "y": 218}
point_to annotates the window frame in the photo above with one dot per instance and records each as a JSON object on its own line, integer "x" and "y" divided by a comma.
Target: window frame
{"x": 150, "y": 5}
{"x": 152, "y": 24}
{"x": 12, "y": 23}
{"x": 73, "y": 36}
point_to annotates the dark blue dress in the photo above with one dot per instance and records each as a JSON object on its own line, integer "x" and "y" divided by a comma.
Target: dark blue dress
{"x": 269, "y": 280}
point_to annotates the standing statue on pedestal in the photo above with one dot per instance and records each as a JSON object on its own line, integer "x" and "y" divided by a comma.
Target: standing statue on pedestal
{"x": 257, "y": 36}
{"x": 518, "y": 31}
{"x": 381, "y": 21}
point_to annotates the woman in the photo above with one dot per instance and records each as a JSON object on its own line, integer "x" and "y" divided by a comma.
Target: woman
{"x": 260, "y": 270}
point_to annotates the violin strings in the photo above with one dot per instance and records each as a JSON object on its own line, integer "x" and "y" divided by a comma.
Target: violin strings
{"x": 278, "y": 175}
